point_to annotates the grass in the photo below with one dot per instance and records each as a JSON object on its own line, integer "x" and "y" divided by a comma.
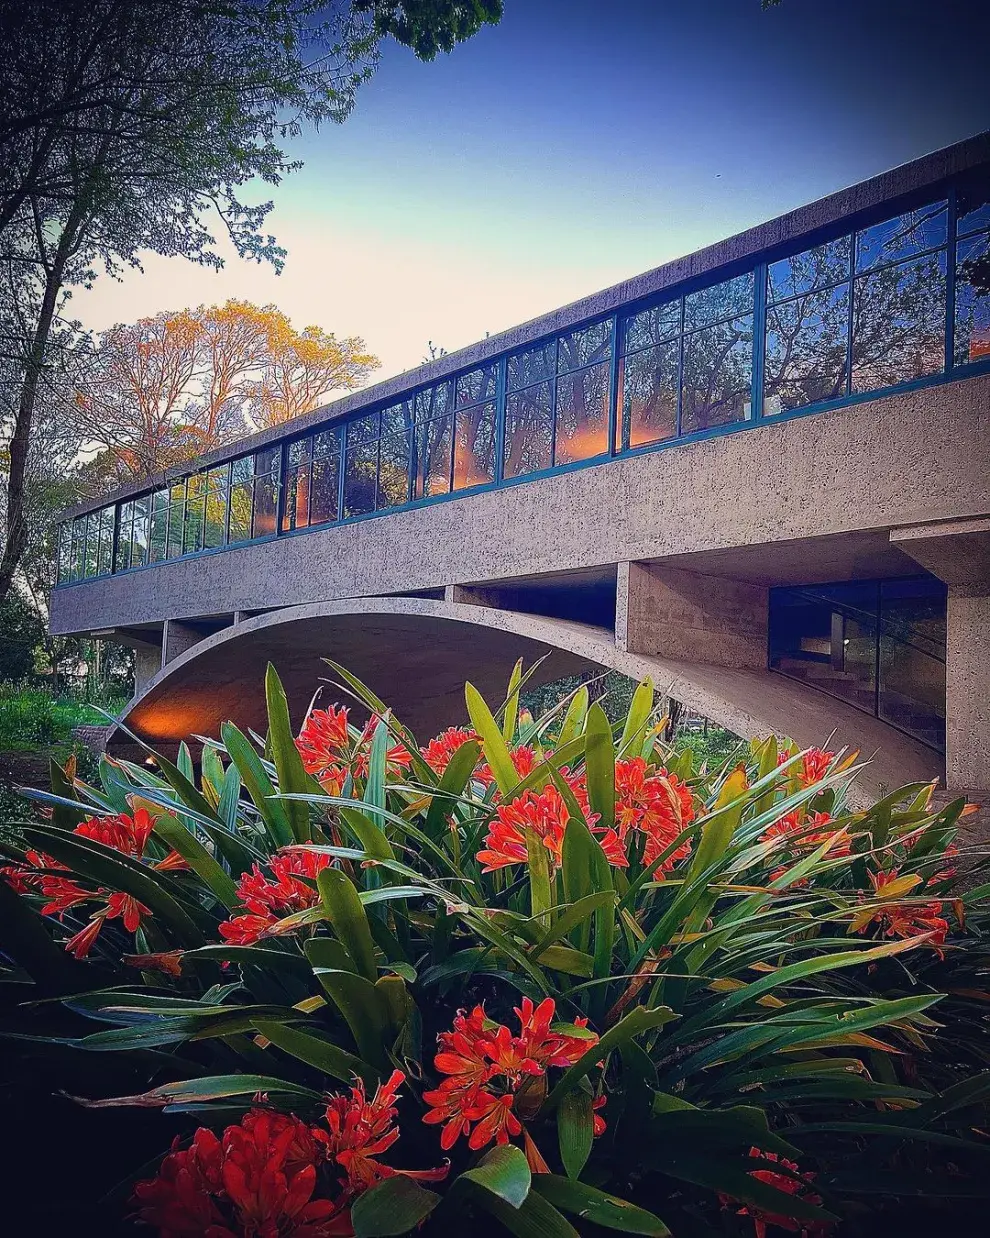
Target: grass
{"x": 33, "y": 717}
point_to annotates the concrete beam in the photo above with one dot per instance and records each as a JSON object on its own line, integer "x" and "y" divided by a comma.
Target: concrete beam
{"x": 177, "y": 637}
{"x": 470, "y": 595}
{"x": 691, "y": 617}
{"x": 967, "y": 691}
{"x": 956, "y": 551}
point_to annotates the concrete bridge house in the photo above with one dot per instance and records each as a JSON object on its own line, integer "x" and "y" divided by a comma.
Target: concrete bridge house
{"x": 759, "y": 474}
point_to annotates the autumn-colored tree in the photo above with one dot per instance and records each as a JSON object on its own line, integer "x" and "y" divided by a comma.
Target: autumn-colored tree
{"x": 169, "y": 388}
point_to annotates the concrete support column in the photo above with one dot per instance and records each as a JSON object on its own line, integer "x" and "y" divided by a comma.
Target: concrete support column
{"x": 967, "y": 689}
{"x": 691, "y": 617}
{"x": 177, "y": 637}
{"x": 147, "y": 664}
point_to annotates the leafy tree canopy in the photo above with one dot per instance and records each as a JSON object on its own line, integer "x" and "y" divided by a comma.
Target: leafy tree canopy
{"x": 430, "y": 26}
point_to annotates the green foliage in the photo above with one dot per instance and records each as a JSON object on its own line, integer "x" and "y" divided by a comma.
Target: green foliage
{"x": 675, "y": 976}
{"x": 33, "y": 718}
{"x": 22, "y": 630}
{"x": 430, "y": 26}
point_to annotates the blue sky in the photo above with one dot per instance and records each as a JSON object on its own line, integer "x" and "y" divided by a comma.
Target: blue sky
{"x": 578, "y": 143}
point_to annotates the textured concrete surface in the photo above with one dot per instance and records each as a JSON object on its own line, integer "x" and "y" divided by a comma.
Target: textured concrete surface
{"x": 897, "y": 461}
{"x": 780, "y": 235}
{"x": 967, "y": 688}
{"x": 691, "y": 616}
{"x": 416, "y": 655}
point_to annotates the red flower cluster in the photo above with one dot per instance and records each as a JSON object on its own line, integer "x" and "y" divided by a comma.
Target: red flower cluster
{"x": 524, "y": 759}
{"x": 797, "y": 1186}
{"x": 360, "y": 1130}
{"x": 267, "y": 899}
{"x": 799, "y": 831}
{"x": 487, "y": 1067}
{"x": 438, "y": 751}
{"x": 814, "y": 765}
{"x": 904, "y": 920}
{"x": 324, "y": 744}
{"x": 127, "y": 834}
{"x": 656, "y": 804}
{"x": 273, "y": 1176}
{"x": 546, "y": 814}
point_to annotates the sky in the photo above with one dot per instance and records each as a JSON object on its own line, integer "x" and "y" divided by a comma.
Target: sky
{"x": 578, "y": 143}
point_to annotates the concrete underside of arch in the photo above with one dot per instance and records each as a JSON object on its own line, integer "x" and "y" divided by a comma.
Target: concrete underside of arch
{"x": 416, "y": 654}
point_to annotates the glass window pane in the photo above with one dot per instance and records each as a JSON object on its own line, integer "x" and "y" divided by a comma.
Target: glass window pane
{"x": 216, "y": 507}
{"x": 176, "y": 519}
{"x": 826, "y": 636}
{"x": 393, "y": 470}
{"x": 106, "y": 541}
{"x": 815, "y": 268}
{"x": 157, "y": 542}
{"x": 363, "y": 430}
{"x": 139, "y": 537}
{"x": 973, "y": 203}
{"x": 972, "y": 331}
{"x": 192, "y": 537}
{"x": 267, "y": 464}
{"x": 717, "y": 376}
{"x": 648, "y": 394}
{"x": 360, "y": 477}
{"x": 123, "y": 560}
{"x": 64, "y": 552}
{"x": 911, "y": 693}
{"x": 584, "y": 347}
{"x": 727, "y": 300}
{"x": 434, "y": 442}
{"x": 241, "y": 470}
{"x": 326, "y": 443}
{"x": 240, "y": 512}
{"x": 652, "y": 326}
{"x": 806, "y": 350}
{"x": 434, "y": 401}
{"x": 899, "y": 323}
{"x": 474, "y": 447}
{"x": 92, "y": 544}
{"x": 397, "y": 417}
{"x": 582, "y": 414}
{"x": 295, "y": 511}
{"x": 323, "y": 496}
{"x": 902, "y": 237}
{"x": 528, "y": 430}
{"x": 478, "y": 385}
{"x": 298, "y": 452}
{"x": 530, "y": 366}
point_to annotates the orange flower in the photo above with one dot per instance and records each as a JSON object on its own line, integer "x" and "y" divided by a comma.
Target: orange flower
{"x": 169, "y": 961}
{"x": 486, "y": 1066}
{"x": 658, "y": 805}
{"x": 267, "y": 899}
{"x": 523, "y": 759}
{"x": 543, "y": 812}
{"x": 897, "y": 919}
{"x": 439, "y": 751}
{"x": 797, "y": 1186}
{"x": 323, "y": 744}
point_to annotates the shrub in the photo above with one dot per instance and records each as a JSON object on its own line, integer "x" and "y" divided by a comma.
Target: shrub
{"x": 495, "y": 982}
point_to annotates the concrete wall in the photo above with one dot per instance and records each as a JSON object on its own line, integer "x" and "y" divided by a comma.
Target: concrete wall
{"x": 895, "y": 461}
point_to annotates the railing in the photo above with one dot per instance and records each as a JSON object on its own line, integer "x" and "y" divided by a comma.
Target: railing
{"x": 894, "y": 304}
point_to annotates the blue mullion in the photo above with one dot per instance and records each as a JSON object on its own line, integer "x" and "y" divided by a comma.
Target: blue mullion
{"x": 851, "y": 315}
{"x": 759, "y": 341}
{"x": 553, "y": 402}
{"x": 501, "y": 383}
{"x": 680, "y": 373}
{"x": 283, "y": 463}
{"x": 951, "y": 258}
{"x": 613, "y": 388}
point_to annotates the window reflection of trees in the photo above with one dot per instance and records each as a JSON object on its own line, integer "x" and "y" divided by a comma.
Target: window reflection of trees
{"x": 475, "y": 425}
{"x": 434, "y": 440}
{"x": 717, "y": 375}
{"x": 899, "y": 323}
{"x": 528, "y": 430}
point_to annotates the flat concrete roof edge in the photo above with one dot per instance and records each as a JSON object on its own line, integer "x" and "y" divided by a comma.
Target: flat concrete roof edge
{"x": 898, "y": 182}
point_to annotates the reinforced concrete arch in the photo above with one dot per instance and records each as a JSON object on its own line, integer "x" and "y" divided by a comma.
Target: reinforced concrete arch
{"x": 416, "y": 655}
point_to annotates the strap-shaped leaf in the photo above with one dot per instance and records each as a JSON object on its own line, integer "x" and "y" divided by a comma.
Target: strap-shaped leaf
{"x": 292, "y": 778}
{"x": 504, "y": 1173}
{"x": 257, "y": 784}
{"x": 27, "y": 940}
{"x": 511, "y": 716}
{"x": 349, "y": 920}
{"x": 575, "y": 1130}
{"x": 492, "y": 741}
{"x": 452, "y": 784}
{"x": 314, "y": 1051}
{"x": 637, "y": 719}
{"x": 573, "y": 722}
{"x": 593, "y": 1205}
{"x": 172, "y": 832}
{"x": 210, "y": 1087}
{"x": 599, "y": 764}
{"x": 363, "y": 1009}
{"x": 393, "y": 1207}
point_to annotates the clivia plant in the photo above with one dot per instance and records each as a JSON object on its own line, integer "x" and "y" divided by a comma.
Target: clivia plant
{"x": 537, "y": 977}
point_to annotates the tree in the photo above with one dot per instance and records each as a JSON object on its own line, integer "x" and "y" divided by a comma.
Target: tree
{"x": 169, "y": 388}
{"x": 23, "y": 631}
{"x": 431, "y": 26}
{"x": 133, "y": 125}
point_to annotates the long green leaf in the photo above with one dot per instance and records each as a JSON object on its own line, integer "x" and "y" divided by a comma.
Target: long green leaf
{"x": 292, "y": 778}
{"x": 593, "y": 1205}
{"x": 395, "y": 1206}
{"x": 257, "y": 784}
{"x": 637, "y": 718}
{"x": 324, "y": 1056}
{"x": 210, "y": 1087}
{"x": 575, "y": 1130}
{"x": 504, "y": 1173}
{"x": 176, "y": 836}
{"x": 492, "y": 742}
{"x": 599, "y": 763}
{"x": 349, "y": 919}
